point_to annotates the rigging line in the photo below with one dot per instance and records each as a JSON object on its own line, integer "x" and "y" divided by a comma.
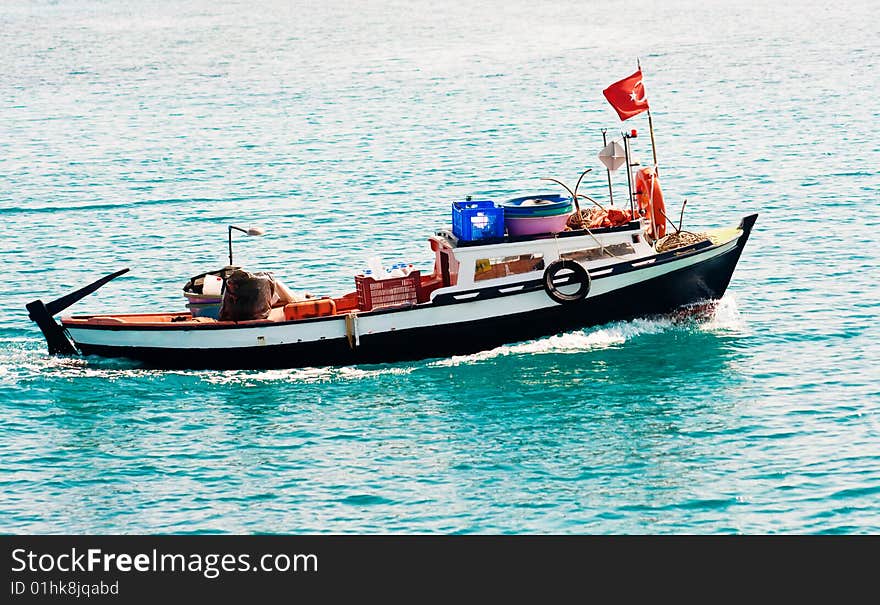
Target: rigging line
{"x": 601, "y": 245}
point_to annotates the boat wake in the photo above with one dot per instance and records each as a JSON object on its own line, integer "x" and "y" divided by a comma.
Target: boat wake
{"x": 25, "y": 363}
{"x": 304, "y": 375}
{"x": 715, "y": 316}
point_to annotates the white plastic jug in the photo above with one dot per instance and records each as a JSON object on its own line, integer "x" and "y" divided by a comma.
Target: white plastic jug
{"x": 376, "y": 266}
{"x": 212, "y": 286}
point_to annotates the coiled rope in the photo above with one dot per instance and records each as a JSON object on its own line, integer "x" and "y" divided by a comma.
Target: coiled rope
{"x": 679, "y": 239}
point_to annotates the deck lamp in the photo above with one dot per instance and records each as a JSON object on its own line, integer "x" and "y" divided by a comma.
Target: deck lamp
{"x": 248, "y": 231}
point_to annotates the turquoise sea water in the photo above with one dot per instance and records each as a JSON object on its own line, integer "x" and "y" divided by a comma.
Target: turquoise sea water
{"x": 133, "y": 133}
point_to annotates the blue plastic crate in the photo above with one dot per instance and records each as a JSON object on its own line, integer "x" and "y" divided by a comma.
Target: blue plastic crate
{"x": 477, "y": 220}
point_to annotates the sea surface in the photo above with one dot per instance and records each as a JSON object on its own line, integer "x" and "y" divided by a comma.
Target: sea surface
{"x": 133, "y": 133}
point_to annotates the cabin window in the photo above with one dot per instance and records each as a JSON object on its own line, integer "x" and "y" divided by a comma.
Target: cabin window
{"x": 491, "y": 268}
{"x": 597, "y": 253}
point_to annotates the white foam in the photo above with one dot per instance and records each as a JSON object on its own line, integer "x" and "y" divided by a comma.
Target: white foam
{"x": 571, "y": 342}
{"x": 304, "y": 375}
{"x": 725, "y": 316}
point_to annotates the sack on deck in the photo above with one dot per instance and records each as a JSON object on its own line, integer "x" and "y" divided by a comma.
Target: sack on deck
{"x": 248, "y": 296}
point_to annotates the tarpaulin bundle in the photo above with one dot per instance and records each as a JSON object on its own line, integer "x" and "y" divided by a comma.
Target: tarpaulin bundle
{"x": 247, "y": 296}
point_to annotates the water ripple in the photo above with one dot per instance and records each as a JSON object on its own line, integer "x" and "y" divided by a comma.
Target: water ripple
{"x": 134, "y": 133}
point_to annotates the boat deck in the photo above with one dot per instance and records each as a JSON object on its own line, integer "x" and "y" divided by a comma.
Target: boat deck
{"x": 325, "y": 306}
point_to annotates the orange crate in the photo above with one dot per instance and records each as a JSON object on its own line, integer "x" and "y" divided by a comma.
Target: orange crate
{"x": 304, "y": 309}
{"x": 392, "y": 292}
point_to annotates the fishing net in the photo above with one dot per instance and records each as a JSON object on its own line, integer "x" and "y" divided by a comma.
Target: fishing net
{"x": 595, "y": 218}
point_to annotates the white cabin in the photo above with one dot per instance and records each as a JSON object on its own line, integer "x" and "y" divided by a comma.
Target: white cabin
{"x": 469, "y": 265}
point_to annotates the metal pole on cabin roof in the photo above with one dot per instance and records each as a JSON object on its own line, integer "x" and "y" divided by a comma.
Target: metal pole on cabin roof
{"x": 650, "y": 128}
{"x": 607, "y": 170}
{"x": 653, "y": 147}
{"x": 629, "y": 182}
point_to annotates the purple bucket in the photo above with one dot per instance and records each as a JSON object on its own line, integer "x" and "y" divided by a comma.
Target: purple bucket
{"x": 536, "y": 225}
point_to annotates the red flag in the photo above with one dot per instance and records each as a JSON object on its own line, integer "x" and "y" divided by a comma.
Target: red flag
{"x": 627, "y": 96}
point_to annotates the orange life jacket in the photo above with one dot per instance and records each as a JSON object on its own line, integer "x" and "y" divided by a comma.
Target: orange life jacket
{"x": 650, "y": 200}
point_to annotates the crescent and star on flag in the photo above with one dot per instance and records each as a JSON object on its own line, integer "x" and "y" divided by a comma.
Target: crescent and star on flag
{"x": 634, "y": 94}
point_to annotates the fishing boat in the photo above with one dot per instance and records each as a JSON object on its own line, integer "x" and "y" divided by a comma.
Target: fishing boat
{"x": 503, "y": 271}
{"x": 479, "y": 295}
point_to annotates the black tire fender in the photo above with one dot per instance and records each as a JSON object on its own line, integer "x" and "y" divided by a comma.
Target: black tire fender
{"x": 579, "y": 275}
